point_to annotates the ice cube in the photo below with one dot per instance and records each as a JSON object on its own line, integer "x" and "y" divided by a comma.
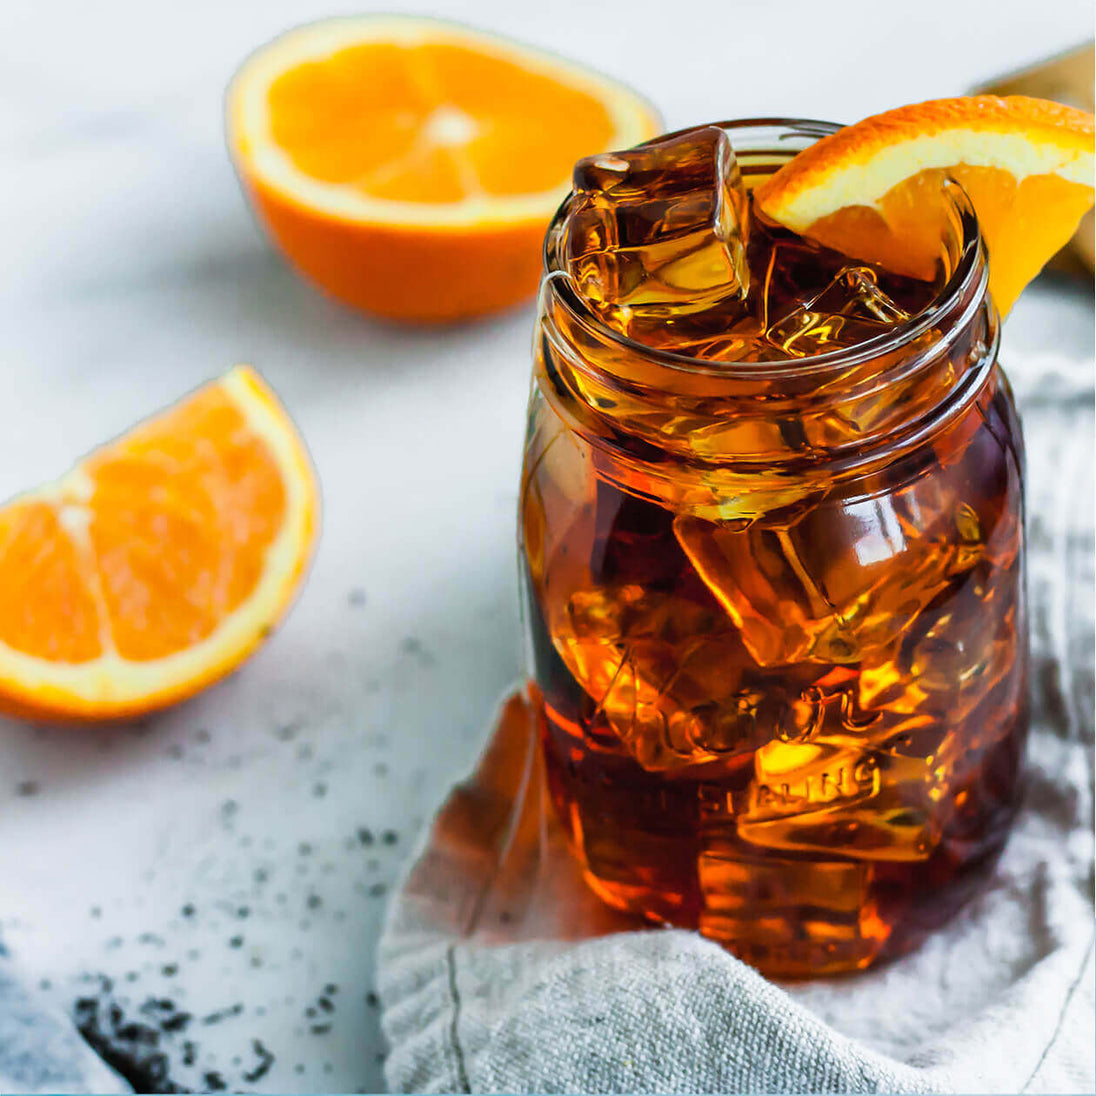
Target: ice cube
{"x": 665, "y": 674}
{"x": 959, "y": 650}
{"x": 863, "y": 781}
{"x": 659, "y": 232}
{"x": 870, "y": 803}
{"x": 842, "y": 580}
{"x": 850, "y": 310}
{"x": 755, "y": 901}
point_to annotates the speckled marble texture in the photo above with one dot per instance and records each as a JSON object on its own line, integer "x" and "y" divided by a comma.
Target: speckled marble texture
{"x": 231, "y": 857}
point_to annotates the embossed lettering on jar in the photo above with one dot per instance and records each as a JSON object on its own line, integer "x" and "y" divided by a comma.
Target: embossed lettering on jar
{"x": 773, "y": 571}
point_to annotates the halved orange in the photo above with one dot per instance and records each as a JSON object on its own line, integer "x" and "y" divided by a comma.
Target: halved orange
{"x": 410, "y": 166}
{"x": 1026, "y": 165}
{"x": 156, "y": 564}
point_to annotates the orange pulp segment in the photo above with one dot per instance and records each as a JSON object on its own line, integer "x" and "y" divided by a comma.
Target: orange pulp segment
{"x": 156, "y": 564}
{"x": 410, "y": 166}
{"x": 872, "y": 189}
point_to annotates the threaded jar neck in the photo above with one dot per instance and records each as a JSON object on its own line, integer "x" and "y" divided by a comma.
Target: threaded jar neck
{"x": 837, "y": 412}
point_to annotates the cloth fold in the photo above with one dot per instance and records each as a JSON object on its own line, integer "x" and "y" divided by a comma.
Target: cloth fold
{"x": 500, "y": 972}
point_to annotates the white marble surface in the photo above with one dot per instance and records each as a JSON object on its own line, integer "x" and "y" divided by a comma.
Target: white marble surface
{"x": 133, "y": 272}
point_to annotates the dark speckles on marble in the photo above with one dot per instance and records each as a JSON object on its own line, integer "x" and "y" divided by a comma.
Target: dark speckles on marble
{"x": 265, "y": 1061}
{"x": 298, "y": 850}
{"x": 412, "y": 646}
{"x": 286, "y": 732}
{"x": 153, "y": 1047}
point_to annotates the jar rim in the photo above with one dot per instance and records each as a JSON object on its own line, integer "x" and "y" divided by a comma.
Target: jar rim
{"x": 970, "y": 268}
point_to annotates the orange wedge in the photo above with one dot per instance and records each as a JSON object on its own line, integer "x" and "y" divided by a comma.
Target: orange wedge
{"x": 410, "y": 166}
{"x": 1026, "y": 165}
{"x": 156, "y": 564}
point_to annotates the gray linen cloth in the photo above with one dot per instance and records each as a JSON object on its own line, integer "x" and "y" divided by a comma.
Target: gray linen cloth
{"x": 498, "y": 972}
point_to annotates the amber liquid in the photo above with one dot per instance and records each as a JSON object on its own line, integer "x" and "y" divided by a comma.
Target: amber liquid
{"x": 799, "y": 731}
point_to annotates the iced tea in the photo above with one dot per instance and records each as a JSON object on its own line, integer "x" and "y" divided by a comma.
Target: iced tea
{"x": 772, "y": 533}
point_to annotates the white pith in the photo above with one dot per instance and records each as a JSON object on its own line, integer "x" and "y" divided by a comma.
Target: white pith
{"x": 109, "y": 680}
{"x": 249, "y": 122}
{"x": 865, "y": 182}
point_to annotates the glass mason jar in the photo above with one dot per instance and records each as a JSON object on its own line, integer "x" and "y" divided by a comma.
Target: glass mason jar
{"x": 775, "y": 616}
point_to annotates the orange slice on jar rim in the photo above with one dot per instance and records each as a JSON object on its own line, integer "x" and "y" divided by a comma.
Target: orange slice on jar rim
{"x": 872, "y": 189}
{"x": 410, "y": 166}
{"x": 159, "y": 562}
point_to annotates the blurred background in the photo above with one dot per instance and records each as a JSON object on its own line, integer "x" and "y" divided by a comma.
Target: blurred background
{"x": 237, "y": 850}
